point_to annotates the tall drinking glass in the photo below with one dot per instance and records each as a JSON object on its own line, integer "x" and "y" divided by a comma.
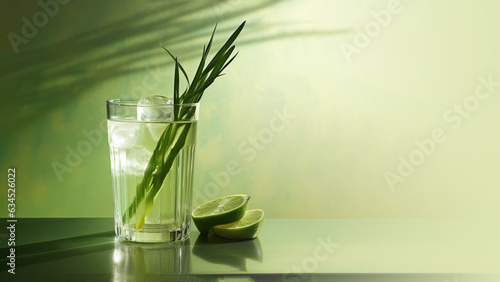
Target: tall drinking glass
{"x": 152, "y": 147}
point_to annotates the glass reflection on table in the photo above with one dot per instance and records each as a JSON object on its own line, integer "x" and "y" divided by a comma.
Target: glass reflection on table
{"x": 140, "y": 261}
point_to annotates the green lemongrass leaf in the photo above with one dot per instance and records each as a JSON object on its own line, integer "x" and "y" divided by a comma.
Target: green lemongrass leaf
{"x": 198, "y": 93}
{"x": 171, "y": 157}
{"x": 176, "y": 89}
{"x": 200, "y": 70}
{"x": 227, "y": 64}
{"x": 156, "y": 177}
{"x": 174, "y": 58}
{"x": 218, "y": 67}
{"x": 212, "y": 75}
{"x": 153, "y": 166}
{"x": 204, "y": 56}
{"x": 221, "y": 55}
{"x": 215, "y": 60}
{"x": 176, "y": 82}
{"x": 215, "y": 65}
{"x": 227, "y": 45}
{"x": 210, "y": 41}
{"x": 208, "y": 77}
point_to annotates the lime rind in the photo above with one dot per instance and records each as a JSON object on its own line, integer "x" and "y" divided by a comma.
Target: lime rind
{"x": 220, "y": 211}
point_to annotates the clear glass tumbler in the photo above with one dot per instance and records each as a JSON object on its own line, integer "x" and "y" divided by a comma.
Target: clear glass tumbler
{"x": 152, "y": 149}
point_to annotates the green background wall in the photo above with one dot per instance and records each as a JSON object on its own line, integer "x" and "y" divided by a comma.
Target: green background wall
{"x": 351, "y": 116}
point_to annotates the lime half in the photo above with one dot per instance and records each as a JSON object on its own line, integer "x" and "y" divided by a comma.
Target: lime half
{"x": 220, "y": 211}
{"x": 246, "y": 228}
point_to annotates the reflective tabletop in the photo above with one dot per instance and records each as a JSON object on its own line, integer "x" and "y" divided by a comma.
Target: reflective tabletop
{"x": 85, "y": 249}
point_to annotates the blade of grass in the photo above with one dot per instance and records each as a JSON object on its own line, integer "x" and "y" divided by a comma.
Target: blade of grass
{"x": 200, "y": 82}
{"x": 204, "y": 82}
{"x": 199, "y": 70}
{"x": 204, "y": 56}
{"x": 226, "y": 46}
{"x": 228, "y": 62}
{"x": 173, "y": 58}
{"x": 201, "y": 66}
{"x": 220, "y": 64}
{"x": 176, "y": 90}
{"x": 214, "y": 73}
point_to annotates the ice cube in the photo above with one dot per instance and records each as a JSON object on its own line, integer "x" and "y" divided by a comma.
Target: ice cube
{"x": 137, "y": 160}
{"x": 146, "y": 110}
{"x": 125, "y": 135}
{"x": 156, "y": 130}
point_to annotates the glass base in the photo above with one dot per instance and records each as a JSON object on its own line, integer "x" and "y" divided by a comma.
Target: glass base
{"x": 152, "y": 234}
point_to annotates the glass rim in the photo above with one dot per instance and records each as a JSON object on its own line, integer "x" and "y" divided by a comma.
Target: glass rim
{"x": 131, "y": 102}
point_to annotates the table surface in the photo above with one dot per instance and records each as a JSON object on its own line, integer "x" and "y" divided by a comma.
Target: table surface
{"x": 85, "y": 249}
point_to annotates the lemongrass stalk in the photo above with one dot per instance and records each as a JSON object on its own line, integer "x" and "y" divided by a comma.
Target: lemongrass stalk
{"x": 169, "y": 144}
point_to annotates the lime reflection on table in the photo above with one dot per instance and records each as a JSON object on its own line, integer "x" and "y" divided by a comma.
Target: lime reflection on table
{"x": 225, "y": 252}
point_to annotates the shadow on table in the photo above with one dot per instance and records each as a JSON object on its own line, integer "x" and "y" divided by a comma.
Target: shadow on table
{"x": 31, "y": 254}
{"x": 231, "y": 253}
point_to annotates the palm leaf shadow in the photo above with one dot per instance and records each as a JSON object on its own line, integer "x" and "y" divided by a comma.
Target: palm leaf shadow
{"x": 41, "y": 79}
